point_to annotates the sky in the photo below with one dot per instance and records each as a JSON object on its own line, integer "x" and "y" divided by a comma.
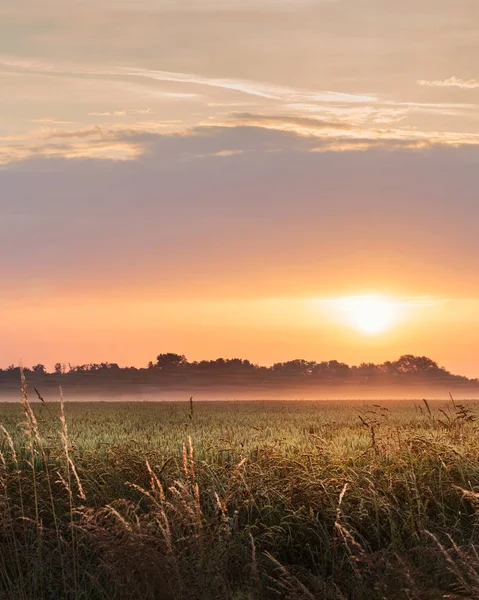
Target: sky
{"x": 239, "y": 178}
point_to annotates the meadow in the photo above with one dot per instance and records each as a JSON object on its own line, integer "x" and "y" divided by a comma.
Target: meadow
{"x": 239, "y": 500}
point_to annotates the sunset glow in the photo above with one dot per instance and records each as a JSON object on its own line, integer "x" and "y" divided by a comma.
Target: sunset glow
{"x": 371, "y": 315}
{"x": 265, "y": 179}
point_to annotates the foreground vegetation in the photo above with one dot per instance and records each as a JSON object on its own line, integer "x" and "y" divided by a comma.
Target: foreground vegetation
{"x": 294, "y": 500}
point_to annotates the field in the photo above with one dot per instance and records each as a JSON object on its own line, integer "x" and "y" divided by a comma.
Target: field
{"x": 240, "y": 500}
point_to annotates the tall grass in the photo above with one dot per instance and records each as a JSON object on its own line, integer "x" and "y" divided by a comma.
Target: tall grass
{"x": 238, "y": 500}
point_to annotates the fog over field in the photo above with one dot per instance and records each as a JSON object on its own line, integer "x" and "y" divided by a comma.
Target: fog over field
{"x": 336, "y": 395}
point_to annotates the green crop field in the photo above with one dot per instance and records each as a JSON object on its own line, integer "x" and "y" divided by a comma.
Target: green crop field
{"x": 240, "y": 500}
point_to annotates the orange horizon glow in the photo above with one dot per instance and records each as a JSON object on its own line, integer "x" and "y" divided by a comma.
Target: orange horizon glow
{"x": 353, "y": 329}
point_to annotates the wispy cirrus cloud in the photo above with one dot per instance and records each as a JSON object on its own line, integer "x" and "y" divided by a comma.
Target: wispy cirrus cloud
{"x": 253, "y": 88}
{"x": 467, "y": 84}
{"x": 50, "y": 122}
{"x": 265, "y": 90}
{"x": 351, "y": 107}
{"x": 122, "y": 113}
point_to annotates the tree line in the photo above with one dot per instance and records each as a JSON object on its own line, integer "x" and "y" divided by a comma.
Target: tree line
{"x": 175, "y": 369}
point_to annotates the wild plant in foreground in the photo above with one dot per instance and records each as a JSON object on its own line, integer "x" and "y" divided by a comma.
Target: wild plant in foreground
{"x": 293, "y": 501}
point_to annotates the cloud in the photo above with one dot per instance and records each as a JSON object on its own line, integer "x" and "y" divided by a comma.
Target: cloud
{"x": 386, "y": 111}
{"x": 113, "y": 151}
{"x": 94, "y": 143}
{"x": 50, "y": 121}
{"x": 469, "y": 84}
{"x": 122, "y": 113}
{"x": 288, "y": 122}
{"x": 334, "y": 121}
{"x": 221, "y": 154}
{"x": 117, "y": 142}
{"x": 338, "y": 135}
{"x": 254, "y": 88}
{"x": 368, "y": 111}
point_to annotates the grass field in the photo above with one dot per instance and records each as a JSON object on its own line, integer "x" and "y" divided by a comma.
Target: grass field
{"x": 240, "y": 500}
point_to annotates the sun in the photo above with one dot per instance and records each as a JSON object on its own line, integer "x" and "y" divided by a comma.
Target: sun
{"x": 371, "y": 315}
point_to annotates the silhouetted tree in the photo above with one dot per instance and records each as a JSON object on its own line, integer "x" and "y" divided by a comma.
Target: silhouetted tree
{"x": 292, "y": 368}
{"x": 415, "y": 364}
{"x": 170, "y": 361}
{"x": 58, "y": 368}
